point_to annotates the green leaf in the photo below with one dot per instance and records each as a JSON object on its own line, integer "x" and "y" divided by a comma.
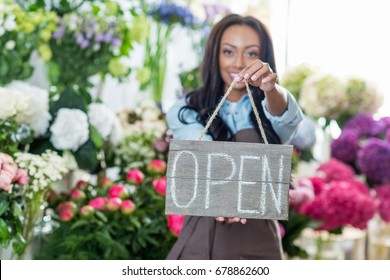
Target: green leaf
{"x": 95, "y": 137}
{"x": 19, "y": 244}
{"x": 100, "y": 215}
{"x": 4, "y": 232}
{"x": 17, "y": 210}
{"x": 3, "y": 207}
{"x": 86, "y": 157}
{"x": 68, "y": 99}
{"x": 79, "y": 223}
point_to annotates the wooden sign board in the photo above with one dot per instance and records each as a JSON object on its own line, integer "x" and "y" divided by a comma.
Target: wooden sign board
{"x": 228, "y": 179}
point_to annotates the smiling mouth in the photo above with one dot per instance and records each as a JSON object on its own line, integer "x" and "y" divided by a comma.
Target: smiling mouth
{"x": 233, "y": 75}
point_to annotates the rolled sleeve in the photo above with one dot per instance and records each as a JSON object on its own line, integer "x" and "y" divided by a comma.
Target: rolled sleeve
{"x": 286, "y": 124}
{"x": 181, "y": 131}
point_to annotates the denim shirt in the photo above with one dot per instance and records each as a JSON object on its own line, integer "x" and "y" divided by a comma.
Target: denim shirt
{"x": 236, "y": 115}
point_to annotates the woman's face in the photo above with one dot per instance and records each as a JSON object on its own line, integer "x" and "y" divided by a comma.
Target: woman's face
{"x": 240, "y": 45}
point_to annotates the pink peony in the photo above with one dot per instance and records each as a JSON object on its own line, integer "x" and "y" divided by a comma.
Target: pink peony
{"x": 82, "y": 185}
{"x": 66, "y": 215}
{"x": 160, "y": 185}
{"x": 113, "y": 204}
{"x": 77, "y": 195}
{"x": 135, "y": 177}
{"x": 175, "y": 223}
{"x": 106, "y": 182}
{"x": 5, "y": 181}
{"x": 70, "y": 205}
{"x": 127, "y": 207}
{"x": 157, "y": 166}
{"x": 99, "y": 203}
{"x": 160, "y": 145}
{"x": 87, "y": 211}
{"x": 118, "y": 191}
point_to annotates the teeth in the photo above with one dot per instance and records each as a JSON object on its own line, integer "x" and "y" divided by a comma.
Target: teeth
{"x": 233, "y": 74}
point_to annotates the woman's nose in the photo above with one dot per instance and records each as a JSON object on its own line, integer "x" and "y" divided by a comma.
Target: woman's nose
{"x": 239, "y": 61}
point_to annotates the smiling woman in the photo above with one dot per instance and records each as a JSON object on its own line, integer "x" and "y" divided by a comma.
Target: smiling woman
{"x": 239, "y": 50}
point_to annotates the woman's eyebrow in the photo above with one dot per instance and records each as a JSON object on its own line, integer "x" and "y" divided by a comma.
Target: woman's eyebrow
{"x": 247, "y": 47}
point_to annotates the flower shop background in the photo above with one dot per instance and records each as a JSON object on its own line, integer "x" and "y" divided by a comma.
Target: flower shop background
{"x": 84, "y": 88}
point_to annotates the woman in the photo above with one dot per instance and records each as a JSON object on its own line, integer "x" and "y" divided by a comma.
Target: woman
{"x": 239, "y": 48}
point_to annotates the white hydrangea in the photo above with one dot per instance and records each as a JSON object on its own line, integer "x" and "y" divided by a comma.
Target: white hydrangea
{"x": 70, "y": 129}
{"x": 36, "y": 115}
{"x": 12, "y": 102}
{"x": 323, "y": 95}
{"x": 151, "y": 114}
{"x": 106, "y": 122}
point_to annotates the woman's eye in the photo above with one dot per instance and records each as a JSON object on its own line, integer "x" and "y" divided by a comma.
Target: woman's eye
{"x": 227, "y": 52}
{"x": 252, "y": 54}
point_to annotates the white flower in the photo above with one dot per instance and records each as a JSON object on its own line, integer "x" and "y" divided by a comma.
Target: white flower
{"x": 10, "y": 23}
{"x": 12, "y": 102}
{"x": 70, "y": 129}
{"x": 106, "y": 122}
{"x": 36, "y": 115}
{"x": 10, "y": 45}
{"x": 151, "y": 114}
{"x": 148, "y": 104}
{"x": 102, "y": 118}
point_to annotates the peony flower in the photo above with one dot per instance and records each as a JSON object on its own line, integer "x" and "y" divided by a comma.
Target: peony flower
{"x": 77, "y": 194}
{"x": 160, "y": 145}
{"x": 82, "y": 185}
{"x": 175, "y": 223}
{"x": 127, "y": 207}
{"x": 135, "y": 176}
{"x": 66, "y": 215}
{"x": 118, "y": 191}
{"x": 106, "y": 182}
{"x": 160, "y": 185}
{"x": 87, "y": 211}
{"x": 374, "y": 160}
{"x": 67, "y": 205}
{"x": 113, "y": 204}
{"x": 70, "y": 129}
{"x": 99, "y": 203}
{"x": 22, "y": 177}
{"x": 157, "y": 166}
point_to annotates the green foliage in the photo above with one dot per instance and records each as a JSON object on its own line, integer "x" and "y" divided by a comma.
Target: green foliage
{"x": 13, "y": 135}
{"x": 11, "y": 224}
{"x": 190, "y": 80}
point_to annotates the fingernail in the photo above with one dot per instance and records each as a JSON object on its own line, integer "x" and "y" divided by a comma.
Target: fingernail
{"x": 238, "y": 78}
{"x": 220, "y": 219}
{"x": 265, "y": 80}
{"x": 254, "y": 77}
{"x": 237, "y": 219}
{"x": 246, "y": 76}
{"x": 243, "y": 221}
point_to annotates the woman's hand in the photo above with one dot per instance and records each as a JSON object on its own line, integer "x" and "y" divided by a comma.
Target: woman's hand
{"x": 231, "y": 220}
{"x": 258, "y": 74}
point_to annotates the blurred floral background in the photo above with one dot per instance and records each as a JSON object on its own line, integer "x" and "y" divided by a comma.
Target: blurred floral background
{"x": 84, "y": 178}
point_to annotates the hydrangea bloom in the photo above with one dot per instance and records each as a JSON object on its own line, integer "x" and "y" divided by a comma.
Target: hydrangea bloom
{"x": 345, "y": 148}
{"x": 374, "y": 160}
{"x": 383, "y": 195}
{"x": 335, "y": 170}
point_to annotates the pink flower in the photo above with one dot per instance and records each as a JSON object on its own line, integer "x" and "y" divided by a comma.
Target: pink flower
{"x": 157, "y": 166}
{"x": 160, "y": 145}
{"x": 87, "y": 211}
{"x": 160, "y": 185}
{"x": 70, "y": 205}
{"x": 175, "y": 223}
{"x": 5, "y": 180}
{"x": 135, "y": 177}
{"x": 335, "y": 170}
{"x": 8, "y": 172}
{"x": 77, "y": 194}
{"x": 22, "y": 177}
{"x": 52, "y": 198}
{"x": 66, "y": 215}
{"x": 106, "y": 182}
{"x": 113, "y": 204}
{"x": 383, "y": 195}
{"x": 99, "y": 203}
{"x": 82, "y": 184}
{"x": 281, "y": 230}
{"x": 127, "y": 207}
{"x": 118, "y": 191}
{"x": 301, "y": 194}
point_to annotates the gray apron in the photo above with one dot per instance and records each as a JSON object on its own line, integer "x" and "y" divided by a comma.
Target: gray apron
{"x": 203, "y": 238}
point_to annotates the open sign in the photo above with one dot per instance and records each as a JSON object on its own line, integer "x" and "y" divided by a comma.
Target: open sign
{"x": 228, "y": 179}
